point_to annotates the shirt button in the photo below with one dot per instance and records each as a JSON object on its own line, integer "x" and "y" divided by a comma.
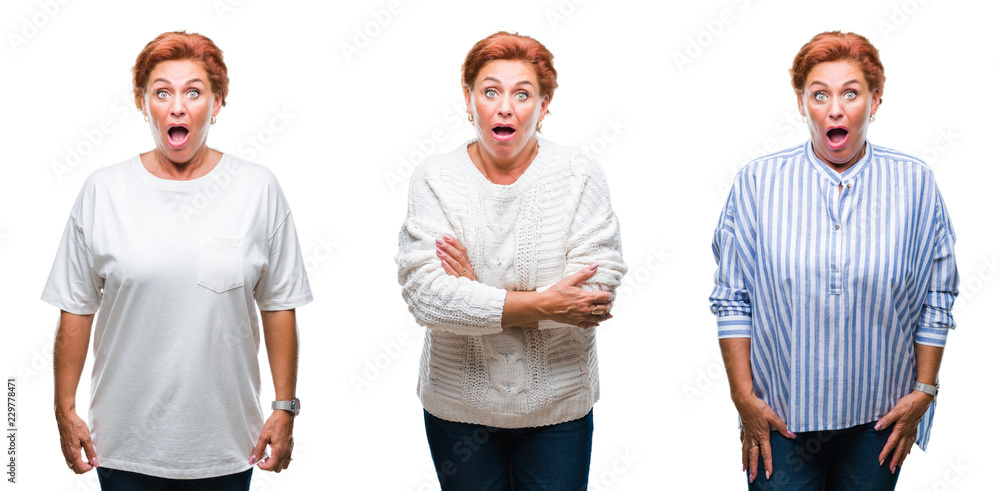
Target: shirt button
{"x": 836, "y": 227}
{"x": 848, "y": 186}
{"x": 836, "y": 269}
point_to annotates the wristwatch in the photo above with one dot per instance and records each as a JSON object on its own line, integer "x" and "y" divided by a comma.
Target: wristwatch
{"x": 293, "y": 406}
{"x": 932, "y": 390}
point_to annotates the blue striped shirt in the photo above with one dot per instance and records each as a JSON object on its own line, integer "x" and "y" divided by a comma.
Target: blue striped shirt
{"x": 834, "y": 277}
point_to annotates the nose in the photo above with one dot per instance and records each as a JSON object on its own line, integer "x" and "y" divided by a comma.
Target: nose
{"x": 836, "y": 109}
{"x": 177, "y": 107}
{"x": 505, "y": 109}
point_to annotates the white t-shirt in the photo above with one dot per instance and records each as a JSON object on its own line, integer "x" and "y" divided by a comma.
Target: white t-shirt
{"x": 172, "y": 269}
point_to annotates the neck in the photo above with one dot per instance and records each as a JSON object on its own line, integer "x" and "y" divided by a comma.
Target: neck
{"x": 503, "y": 171}
{"x": 200, "y": 164}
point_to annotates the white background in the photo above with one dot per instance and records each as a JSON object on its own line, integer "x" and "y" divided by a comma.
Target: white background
{"x": 670, "y": 135}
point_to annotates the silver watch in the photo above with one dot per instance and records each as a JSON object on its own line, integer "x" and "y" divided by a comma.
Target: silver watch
{"x": 293, "y": 406}
{"x": 932, "y": 390}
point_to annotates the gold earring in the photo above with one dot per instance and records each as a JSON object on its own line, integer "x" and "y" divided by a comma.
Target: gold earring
{"x": 146, "y": 117}
{"x": 538, "y": 126}
{"x": 213, "y": 119}
{"x": 470, "y": 118}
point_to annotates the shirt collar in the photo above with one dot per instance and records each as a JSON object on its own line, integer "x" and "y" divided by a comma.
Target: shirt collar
{"x": 833, "y": 175}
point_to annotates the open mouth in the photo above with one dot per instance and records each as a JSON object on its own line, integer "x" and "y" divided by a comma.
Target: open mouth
{"x": 503, "y": 132}
{"x": 836, "y": 137}
{"x": 177, "y": 136}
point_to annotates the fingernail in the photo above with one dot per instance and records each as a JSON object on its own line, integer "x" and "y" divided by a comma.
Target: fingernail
{"x": 593, "y": 266}
{"x": 751, "y": 477}
{"x": 253, "y": 458}
{"x": 767, "y": 475}
{"x": 878, "y": 426}
{"x": 447, "y": 237}
{"x": 791, "y": 433}
{"x": 94, "y": 463}
{"x": 892, "y": 470}
{"x": 439, "y": 241}
{"x": 881, "y": 462}
{"x": 439, "y": 252}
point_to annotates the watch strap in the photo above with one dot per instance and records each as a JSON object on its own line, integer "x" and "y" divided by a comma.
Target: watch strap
{"x": 931, "y": 390}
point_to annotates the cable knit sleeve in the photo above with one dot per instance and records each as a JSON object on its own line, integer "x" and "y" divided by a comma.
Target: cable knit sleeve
{"x": 437, "y": 300}
{"x": 594, "y": 234}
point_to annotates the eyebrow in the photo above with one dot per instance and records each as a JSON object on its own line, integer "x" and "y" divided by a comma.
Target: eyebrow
{"x": 523, "y": 82}
{"x": 189, "y": 82}
{"x": 849, "y": 82}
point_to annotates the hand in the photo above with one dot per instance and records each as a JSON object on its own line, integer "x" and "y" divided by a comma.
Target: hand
{"x": 758, "y": 418}
{"x": 906, "y": 414}
{"x": 454, "y": 259}
{"x": 277, "y": 432}
{"x": 74, "y": 436}
{"x": 567, "y": 303}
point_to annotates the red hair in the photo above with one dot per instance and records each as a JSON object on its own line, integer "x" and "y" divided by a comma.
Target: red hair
{"x": 180, "y": 45}
{"x": 837, "y": 46}
{"x": 507, "y": 46}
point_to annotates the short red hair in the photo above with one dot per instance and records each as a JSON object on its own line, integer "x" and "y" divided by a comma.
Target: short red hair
{"x": 181, "y": 45}
{"x": 837, "y": 46}
{"x": 507, "y": 46}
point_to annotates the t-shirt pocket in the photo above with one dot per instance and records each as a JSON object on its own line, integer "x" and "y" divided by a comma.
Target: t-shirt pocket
{"x": 220, "y": 263}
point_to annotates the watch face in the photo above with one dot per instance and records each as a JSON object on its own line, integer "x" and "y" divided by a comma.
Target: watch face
{"x": 296, "y": 406}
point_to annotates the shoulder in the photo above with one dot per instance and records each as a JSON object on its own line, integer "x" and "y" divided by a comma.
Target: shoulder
{"x": 559, "y": 159}
{"x": 774, "y": 161}
{"x": 252, "y": 173}
{"x": 900, "y": 161}
{"x": 450, "y": 166}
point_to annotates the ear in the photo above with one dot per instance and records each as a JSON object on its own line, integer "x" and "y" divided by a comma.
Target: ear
{"x": 142, "y": 102}
{"x": 468, "y": 101}
{"x": 545, "y": 109}
{"x": 798, "y": 100}
{"x": 216, "y": 106}
{"x": 876, "y": 101}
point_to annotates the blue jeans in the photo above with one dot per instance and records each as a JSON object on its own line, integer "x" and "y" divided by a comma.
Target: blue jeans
{"x": 482, "y": 458}
{"x": 833, "y": 460}
{"x": 118, "y": 480}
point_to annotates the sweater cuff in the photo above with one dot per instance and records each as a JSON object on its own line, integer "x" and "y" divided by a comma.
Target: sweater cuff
{"x": 931, "y": 336}
{"x": 734, "y": 326}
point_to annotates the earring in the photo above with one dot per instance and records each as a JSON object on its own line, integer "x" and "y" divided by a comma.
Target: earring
{"x": 470, "y": 118}
{"x": 871, "y": 119}
{"x": 803, "y": 118}
{"x": 538, "y": 126}
{"x": 146, "y": 117}
{"x": 213, "y": 119}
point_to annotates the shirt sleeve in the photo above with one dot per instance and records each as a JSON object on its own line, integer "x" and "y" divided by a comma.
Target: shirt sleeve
{"x": 942, "y": 290}
{"x": 730, "y": 299}
{"x": 594, "y": 237}
{"x": 283, "y": 283}
{"x": 437, "y": 300}
{"x": 73, "y": 285}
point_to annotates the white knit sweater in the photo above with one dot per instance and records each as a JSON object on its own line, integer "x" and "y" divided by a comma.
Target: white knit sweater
{"x": 553, "y": 221}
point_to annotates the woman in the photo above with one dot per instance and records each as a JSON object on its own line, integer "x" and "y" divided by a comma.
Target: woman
{"x": 836, "y": 276}
{"x": 171, "y": 249}
{"x": 490, "y": 259}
